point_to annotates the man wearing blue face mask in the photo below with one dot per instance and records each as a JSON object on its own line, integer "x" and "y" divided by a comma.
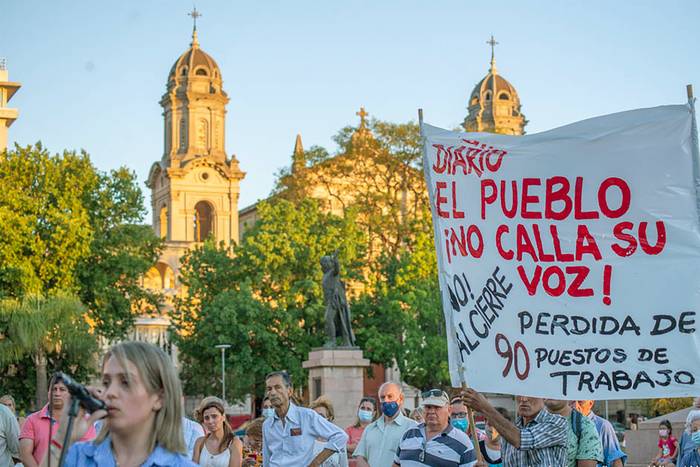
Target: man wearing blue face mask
{"x": 381, "y": 438}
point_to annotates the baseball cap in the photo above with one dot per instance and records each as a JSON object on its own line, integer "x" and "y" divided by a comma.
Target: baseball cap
{"x": 436, "y": 397}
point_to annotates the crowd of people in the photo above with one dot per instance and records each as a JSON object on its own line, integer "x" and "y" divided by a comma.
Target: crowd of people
{"x": 143, "y": 424}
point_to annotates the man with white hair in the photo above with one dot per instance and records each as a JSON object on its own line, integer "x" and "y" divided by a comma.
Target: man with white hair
{"x": 691, "y": 457}
{"x": 685, "y": 444}
{"x": 381, "y": 438}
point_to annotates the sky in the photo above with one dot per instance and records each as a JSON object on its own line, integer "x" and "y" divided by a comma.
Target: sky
{"x": 92, "y": 73}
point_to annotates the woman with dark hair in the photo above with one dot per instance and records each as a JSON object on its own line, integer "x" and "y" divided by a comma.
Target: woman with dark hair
{"x": 219, "y": 447}
{"x": 366, "y": 414}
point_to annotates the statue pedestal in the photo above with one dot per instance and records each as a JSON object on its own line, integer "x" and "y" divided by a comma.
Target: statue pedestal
{"x": 338, "y": 374}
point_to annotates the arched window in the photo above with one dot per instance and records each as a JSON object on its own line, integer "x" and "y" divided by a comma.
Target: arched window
{"x": 487, "y": 96}
{"x": 201, "y": 72}
{"x": 475, "y": 100}
{"x": 203, "y": 221}
{"x": 164, "y": 222}
{"x": 184, "y": 72}
{"x": 504, "y": 96}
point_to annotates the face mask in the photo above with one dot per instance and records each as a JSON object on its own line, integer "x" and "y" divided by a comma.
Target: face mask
{"x": 460, "y": 423}
{"x": 364, "y": 415}
{"x": 695, "y": 436}
{"x": 390, "y": 408}
{"x": 267, "y": 413}
{"x": 663, "y": 432}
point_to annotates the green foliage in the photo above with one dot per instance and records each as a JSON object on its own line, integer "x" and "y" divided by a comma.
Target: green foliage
{"x": 46, "y": 227}
{"x": 265, "y": 294}
{"x": 121, "y": 251}
{"x": 69, "y": 227}
{"x": 42, "y": 327}
{"x": 403, "y": 321}
{"x": 663, "y": 406}
{"x": 69, "y": 234}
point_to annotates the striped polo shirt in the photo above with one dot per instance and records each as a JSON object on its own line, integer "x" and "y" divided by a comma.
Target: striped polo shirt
{"x": 451, "y": 448}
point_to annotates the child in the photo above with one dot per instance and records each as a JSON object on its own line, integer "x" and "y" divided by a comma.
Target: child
{"x": 668, "y": 446}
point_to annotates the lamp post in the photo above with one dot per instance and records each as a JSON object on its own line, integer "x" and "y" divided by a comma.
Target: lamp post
{"x": 223, "y": 348}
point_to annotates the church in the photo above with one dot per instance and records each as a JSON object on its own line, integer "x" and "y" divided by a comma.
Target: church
{"x": 195, "y": 185}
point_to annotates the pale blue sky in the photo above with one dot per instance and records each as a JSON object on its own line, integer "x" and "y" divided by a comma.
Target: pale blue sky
{"x": 92, "y": 72}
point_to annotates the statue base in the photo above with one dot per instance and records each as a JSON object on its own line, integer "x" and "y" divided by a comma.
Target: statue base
{"x": 338, "y": 374}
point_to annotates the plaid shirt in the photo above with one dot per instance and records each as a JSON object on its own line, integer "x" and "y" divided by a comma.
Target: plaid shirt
{"x": 542, "y": 443}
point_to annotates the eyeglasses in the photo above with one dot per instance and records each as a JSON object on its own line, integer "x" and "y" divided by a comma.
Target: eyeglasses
{"x": 435, "y": 393}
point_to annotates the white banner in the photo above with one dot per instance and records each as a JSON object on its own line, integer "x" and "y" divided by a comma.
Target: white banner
{"x": 569, "y": 260}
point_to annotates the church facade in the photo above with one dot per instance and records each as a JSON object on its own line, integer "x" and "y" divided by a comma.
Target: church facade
{"x": 195, "y": 185}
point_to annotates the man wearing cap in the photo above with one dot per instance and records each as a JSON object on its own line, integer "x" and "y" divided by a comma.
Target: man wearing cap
{"x": 435, "y": 442}
{"x": 380, "y": 439}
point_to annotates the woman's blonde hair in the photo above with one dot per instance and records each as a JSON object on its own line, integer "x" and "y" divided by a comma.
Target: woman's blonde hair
{"x": 218, "y": 404}
{"x": 326, "y": 404}
{"x": 158, "y": 375}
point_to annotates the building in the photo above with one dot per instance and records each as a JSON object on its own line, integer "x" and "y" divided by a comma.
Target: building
{"x": 494, "y": 104}
{"x": 195, "y": 184}
{"x": 7, "y": 115}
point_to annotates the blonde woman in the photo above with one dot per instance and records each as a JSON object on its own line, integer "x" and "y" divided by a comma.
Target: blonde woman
{"x": 219, "y": 447}
{"x": 143, "y": 421}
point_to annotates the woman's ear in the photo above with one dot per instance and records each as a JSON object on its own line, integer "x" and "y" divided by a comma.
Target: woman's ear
{"x": 158, "y": 402}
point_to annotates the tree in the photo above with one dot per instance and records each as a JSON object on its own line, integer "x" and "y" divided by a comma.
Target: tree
{"x": 121, "y": 252}
{"x": 39, "y": 327}
{"x": 69, "y": 227}
{"x": 402, "y": 322}
{"x": 46, "y": 228}
{"x": 273, "y": 274}
{"x": 377, "y": 176}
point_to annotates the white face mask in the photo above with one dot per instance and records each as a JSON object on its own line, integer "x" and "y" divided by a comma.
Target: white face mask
{"x": 269, "y": 412}
{"x": 663, "y": 432}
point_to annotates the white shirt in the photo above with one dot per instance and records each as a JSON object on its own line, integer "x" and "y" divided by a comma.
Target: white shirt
{"x": 9, "y": 436}
{"x": 379, "y": 440}
{"x": 292, "y": 445}
{"x": 191, "y": 431}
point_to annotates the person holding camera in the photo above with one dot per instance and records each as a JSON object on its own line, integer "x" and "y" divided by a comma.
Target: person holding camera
{"x": 143, "y": 417}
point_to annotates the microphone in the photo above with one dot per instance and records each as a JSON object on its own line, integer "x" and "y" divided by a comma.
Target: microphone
{"x": 77, "y": 390}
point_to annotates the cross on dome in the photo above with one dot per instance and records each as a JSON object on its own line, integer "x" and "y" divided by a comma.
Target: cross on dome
{"x": 194, "y": 14}
{"x": 363, "y": 115}
{"x": 493, "y": 45}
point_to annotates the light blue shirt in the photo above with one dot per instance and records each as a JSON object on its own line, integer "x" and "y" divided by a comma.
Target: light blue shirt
{"x": 379, "y": 440}
{"x": 611, "y": 446}
{"x": 292, "y": 444}
{"x": 88, "y": 454}
{"x": 192, "y": 431}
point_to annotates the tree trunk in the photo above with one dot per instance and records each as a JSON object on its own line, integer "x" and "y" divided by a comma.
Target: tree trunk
{"x": 41, "y": 381}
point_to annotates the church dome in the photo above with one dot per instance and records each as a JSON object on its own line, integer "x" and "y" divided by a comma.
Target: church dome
{"x": 485, "y": 90}
{"x": 195, "y": 62}
{"x": 494, "y": 104}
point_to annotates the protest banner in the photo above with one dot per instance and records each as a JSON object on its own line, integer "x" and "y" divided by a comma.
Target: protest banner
{"x": 569, "y": 260}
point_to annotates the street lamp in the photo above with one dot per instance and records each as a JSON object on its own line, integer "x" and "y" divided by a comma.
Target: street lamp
{"x": 223, "y": 348}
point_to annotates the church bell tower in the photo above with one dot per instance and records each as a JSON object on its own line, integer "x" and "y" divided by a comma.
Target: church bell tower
{"x": 195, "y": 185}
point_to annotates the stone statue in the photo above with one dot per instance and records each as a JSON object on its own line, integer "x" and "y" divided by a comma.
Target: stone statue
{"x": 336, "y": 303}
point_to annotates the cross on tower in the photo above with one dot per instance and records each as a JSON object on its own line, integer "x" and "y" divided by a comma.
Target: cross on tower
{"x": 362, "y": 114}
{"x": 194, "y": 14}
{"x": 493, "y": 45}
